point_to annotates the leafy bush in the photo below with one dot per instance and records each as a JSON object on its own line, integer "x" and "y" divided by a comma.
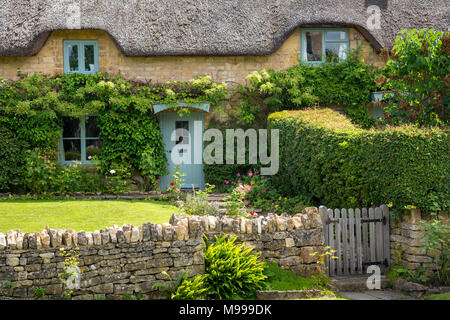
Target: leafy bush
{"x": 344, "y": 166}
{"x": 42, "y": 175}
{"x": 418, "y": 79}
{"x": 193, "y": 289}
{"x": 345, "y": 84}
{"x": 437, "y": 243}
{"x": 197, "y": 203}
{"x": 398, "y": 271}
{"x": 284, "y": 280}
{"x": 11, "y": 160}
{"x": 184, "y": 288}
{"x": 267, "y": 193}
{"x": 232, "y": 271}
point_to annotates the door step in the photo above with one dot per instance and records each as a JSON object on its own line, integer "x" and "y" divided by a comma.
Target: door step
{"x": 355, "y": 283}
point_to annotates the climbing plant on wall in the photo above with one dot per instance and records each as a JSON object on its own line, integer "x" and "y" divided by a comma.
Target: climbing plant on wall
{"x": 31, "y": 109}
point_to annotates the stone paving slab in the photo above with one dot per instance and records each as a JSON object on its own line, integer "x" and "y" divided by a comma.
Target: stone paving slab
{"x": 376, "y": 295}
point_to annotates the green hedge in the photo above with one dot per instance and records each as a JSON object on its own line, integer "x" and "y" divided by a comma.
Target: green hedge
{"x": 342, "y": 165}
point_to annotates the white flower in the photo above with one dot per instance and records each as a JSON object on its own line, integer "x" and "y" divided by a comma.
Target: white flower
{"x": 112, "y": 171}
{"x": 266, "y": 88}
{"x": 170, "y": 92}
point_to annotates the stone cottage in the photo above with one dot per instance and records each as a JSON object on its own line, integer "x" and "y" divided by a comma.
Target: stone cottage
{"x": 178, "y": 39}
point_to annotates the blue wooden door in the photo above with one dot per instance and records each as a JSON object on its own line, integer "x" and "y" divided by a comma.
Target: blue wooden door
{"x": 183, "y": 141}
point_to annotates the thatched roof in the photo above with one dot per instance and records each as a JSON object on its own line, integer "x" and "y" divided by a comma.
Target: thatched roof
{"x": 205, "y": 27}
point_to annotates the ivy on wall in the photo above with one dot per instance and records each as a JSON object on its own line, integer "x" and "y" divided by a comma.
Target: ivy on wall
{"x": 32, "y": 107}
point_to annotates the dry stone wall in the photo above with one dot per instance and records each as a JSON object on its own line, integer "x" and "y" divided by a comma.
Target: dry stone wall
{"x": 407, "y": 242}
{"x": 287, "y": 240}
{"x": 120, "y": 261}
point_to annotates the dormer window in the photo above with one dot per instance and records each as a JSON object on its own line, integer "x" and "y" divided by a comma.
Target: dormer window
{"x": 80, "y": 56}
{"x": 324, "y": 45}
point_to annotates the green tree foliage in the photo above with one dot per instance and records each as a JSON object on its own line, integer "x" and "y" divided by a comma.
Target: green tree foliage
{"x": 418, "y": 79}
{"x": 344, "y": 166}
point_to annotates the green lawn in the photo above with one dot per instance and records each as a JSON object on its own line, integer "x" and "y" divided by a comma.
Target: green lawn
{"x": 87, "y": 215}
{"x": 441, "y": 296}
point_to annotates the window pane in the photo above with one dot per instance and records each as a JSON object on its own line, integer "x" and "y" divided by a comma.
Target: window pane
{"x": 72, "y": 150}
{"x": 313, "y": 46}
{"x": 89, "y": 64}
{"x": 93, "y": 147}
{"x": 71, "y": 128}
{"x": 336, "y": 51}
{"x": 182, "y": 132}
{"x": 336, "y": 35}
{"x": 92, "y": 129}
{"x": 73, "y": 57}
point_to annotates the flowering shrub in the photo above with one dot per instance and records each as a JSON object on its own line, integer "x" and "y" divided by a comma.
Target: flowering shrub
{"x": 174, "y": 189}
{"x": 197, "y": 203}
{"x": 347, "y": 84}
{"x": 253, "y": 190}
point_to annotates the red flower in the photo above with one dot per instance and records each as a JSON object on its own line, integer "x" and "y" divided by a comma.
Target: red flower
{"x": 173, "y": 187}
{"x": 171, "y": 183}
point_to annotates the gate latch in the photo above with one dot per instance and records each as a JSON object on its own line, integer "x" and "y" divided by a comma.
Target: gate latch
{"x": 374, "y": 220}
{"x": 329, "y": 221}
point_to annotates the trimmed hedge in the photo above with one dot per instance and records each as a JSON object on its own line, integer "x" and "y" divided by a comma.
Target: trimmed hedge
{"x": 342, "y": 165}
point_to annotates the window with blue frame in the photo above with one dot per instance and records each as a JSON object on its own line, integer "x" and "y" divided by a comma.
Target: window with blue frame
{"x": 80, "y": 56}
{"x": 80, "y": 140}
{"x": 324, "y": 45}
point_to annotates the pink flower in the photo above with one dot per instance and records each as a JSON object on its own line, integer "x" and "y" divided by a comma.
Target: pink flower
{"x": 246, "y": 202}
{"x": 256, "y": 172}
{"x": 249, "y": 188}
{"x": 263, "y": 190}
{"x": 226, "y": 182}
{"x": 250, "y": 173}
{"x": 238, "y": 174}
{"x": 239, "y": 181}
{"x": 89, "y": 158}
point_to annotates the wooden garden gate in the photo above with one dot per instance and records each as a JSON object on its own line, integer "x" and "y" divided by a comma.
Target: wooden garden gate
{"x": 360, "y": 238}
